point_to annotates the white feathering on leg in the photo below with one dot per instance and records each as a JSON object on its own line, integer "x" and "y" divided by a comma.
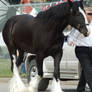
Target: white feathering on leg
{"x": 34, "y": 83}
{"x": 55, "y": 86}
{"x": 16, "y": 84}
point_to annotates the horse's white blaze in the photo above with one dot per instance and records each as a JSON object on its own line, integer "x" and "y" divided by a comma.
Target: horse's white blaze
{"x": 86, "y": 21}
{"x": 83, "y": 13}
{"x": 55, "y": 86}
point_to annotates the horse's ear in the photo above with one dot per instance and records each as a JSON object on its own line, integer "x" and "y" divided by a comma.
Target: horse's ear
{"x": 81, "y": 3}
{"x": 70, "y": 3}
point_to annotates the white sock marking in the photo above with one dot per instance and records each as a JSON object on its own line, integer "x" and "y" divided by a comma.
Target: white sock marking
{"x": 55, "y": 87}
{"x": 17, "y": 85}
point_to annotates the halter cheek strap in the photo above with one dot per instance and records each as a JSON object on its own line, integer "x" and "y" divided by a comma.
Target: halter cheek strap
{"x": 79, "y": 26}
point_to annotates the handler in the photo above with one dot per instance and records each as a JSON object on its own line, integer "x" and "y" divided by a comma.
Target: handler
{"x": 83, "y": 52}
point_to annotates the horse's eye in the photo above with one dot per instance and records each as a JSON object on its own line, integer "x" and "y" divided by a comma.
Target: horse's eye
{"x": 78, "y": 26}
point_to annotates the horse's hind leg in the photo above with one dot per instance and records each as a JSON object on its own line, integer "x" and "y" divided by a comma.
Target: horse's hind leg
{"x": 34, "y": 83}
{"x": 16, "y": 84}
{"x": 19, "y": 58}
{"x": 12, "y": 51}
{"x": 56, "y": 80}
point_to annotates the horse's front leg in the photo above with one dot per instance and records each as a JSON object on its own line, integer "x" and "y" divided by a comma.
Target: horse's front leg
{"x": 35, "y": 82}
{"x": 56, "y": 80}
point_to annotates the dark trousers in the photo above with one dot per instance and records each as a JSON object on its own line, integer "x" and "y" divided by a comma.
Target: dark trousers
{"x": 84, "y": 55}
{"x": 82, "y": 83}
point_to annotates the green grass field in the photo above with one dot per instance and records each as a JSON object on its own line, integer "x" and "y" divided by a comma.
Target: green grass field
{"x": 5, "y": 70}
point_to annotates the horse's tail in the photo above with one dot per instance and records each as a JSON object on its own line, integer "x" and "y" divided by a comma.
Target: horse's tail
{"x": 8, "y": 38}
{"x": 7, "y": 30}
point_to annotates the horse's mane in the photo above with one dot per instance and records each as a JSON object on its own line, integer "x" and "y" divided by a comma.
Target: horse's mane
{"x": 54, "y": 12}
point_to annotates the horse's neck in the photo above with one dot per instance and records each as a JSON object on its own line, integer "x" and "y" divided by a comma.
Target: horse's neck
{"x": 58, "y": 11}
{"x": 61, "y": 10}
{"x": 61, "y": 23}
{"x": 55, "y": 16}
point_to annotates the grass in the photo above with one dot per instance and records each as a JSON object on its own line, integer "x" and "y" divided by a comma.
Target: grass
{"x": 5, "y": 70}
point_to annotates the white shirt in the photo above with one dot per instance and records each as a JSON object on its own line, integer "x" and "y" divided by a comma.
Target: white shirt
{"x": 76, "y": 37}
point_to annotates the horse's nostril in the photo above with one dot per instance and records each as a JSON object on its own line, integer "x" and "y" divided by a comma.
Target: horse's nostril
{"x": 88, "y": 33}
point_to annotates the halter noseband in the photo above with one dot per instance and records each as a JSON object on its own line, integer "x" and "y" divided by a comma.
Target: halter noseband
{"x": 87, "y": 24}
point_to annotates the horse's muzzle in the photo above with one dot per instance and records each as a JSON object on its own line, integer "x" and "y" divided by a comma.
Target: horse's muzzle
{"x": 86, "y": 34}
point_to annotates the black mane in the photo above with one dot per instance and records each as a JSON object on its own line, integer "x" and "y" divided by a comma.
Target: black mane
{"x": 52, "y": 13}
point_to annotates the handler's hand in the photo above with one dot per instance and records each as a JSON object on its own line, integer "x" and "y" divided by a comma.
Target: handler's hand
{"x": 71, "y": 44}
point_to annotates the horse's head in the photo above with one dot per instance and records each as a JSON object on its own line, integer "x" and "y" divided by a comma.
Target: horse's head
{"x": 77, "y": 17}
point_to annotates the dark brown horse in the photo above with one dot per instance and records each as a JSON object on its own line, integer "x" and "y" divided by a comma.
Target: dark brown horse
{"x": 43, "y": 35}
